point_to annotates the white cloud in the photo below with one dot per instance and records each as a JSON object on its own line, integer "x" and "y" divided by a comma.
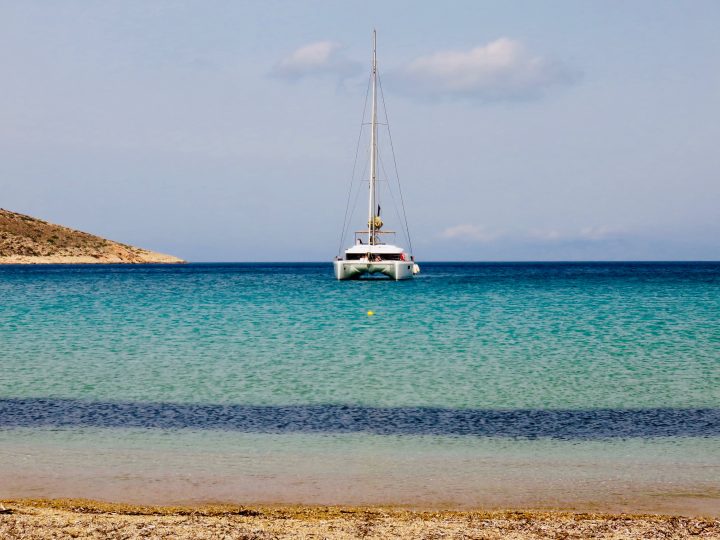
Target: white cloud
{"x": 315, "y": 59}
{"x": 601, "y": 232}
{"x": 469, "y": 232}
{"x": 501, "y": 70}
{"x": 482, "y": 234}
{"x": 591, "y": 234}
{"x": 545, "y": 234}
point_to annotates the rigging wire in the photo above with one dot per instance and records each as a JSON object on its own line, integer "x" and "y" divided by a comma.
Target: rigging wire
{"x": 357, "y": 196}
{"x": 352, "y": 177}
{"x": 392, "y": 148}
{"x": 392, "y": 196}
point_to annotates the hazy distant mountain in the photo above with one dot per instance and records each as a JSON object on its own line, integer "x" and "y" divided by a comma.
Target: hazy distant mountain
{"x": 25, "y": 239}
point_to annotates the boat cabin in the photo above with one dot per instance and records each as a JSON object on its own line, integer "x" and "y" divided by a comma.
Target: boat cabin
{"x": 383, "y": 252}
{"x": 378, "y": 250}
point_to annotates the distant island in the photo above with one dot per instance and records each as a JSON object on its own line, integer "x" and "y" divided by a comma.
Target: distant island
{"x": 28, "y": 240}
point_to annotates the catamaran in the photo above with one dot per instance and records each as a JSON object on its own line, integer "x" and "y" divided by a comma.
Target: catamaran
{"x": 371, "y": 253}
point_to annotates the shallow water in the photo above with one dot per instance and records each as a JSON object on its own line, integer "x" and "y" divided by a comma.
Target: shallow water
{"x": 590, "y": 385}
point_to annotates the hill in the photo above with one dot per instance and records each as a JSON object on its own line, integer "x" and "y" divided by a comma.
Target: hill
{"x": 28, "y": 240}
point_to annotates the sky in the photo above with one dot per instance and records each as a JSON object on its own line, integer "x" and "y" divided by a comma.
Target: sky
{"x": 227, "y": 130}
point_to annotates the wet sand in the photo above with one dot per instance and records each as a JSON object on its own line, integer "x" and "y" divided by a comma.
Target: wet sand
{"x": 74, "y": 518}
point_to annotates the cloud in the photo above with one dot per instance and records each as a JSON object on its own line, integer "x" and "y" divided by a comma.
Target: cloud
{"x": 469, "y": 232}
{"x": 589, "y": 234}
{"x": 501, "y": 70}
{"x": 599, "y": 233}
{"x": 481, "y": 234}
{"x": 545, "y": 234}
{"x": 324, "y": 58}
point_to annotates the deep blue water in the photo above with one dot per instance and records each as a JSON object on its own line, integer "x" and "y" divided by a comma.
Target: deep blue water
{"x": 560, "y": 424}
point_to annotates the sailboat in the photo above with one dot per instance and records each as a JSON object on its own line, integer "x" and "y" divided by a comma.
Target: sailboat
{"x": 371, "y": 253}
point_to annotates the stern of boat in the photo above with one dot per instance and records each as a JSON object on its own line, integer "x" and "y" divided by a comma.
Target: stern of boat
{"x": 397, "y": 270}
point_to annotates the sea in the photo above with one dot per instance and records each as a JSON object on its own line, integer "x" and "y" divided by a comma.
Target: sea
{"x": 582, "y": 386}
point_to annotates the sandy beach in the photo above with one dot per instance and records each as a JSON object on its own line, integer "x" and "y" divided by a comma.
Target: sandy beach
{"x": 75, "y": 518}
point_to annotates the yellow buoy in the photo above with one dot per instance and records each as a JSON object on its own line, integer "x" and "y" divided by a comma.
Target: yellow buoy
{"x": 371, "y": 313}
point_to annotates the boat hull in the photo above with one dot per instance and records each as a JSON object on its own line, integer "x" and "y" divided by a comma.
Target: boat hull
{"x": 396, "y": 270}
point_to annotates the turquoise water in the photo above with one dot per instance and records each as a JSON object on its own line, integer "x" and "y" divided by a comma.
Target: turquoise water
{"x": 466, "y": 336}
{"x": 498, "y": 359}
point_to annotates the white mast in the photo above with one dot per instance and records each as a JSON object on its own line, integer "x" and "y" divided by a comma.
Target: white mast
{"x": 373, "y": 148}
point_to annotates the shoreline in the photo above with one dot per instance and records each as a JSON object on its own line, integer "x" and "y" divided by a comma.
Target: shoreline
{"x": 43, "y": 518}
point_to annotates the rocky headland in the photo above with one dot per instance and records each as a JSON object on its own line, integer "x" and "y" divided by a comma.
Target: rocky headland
{"x": 28, "y": 240}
